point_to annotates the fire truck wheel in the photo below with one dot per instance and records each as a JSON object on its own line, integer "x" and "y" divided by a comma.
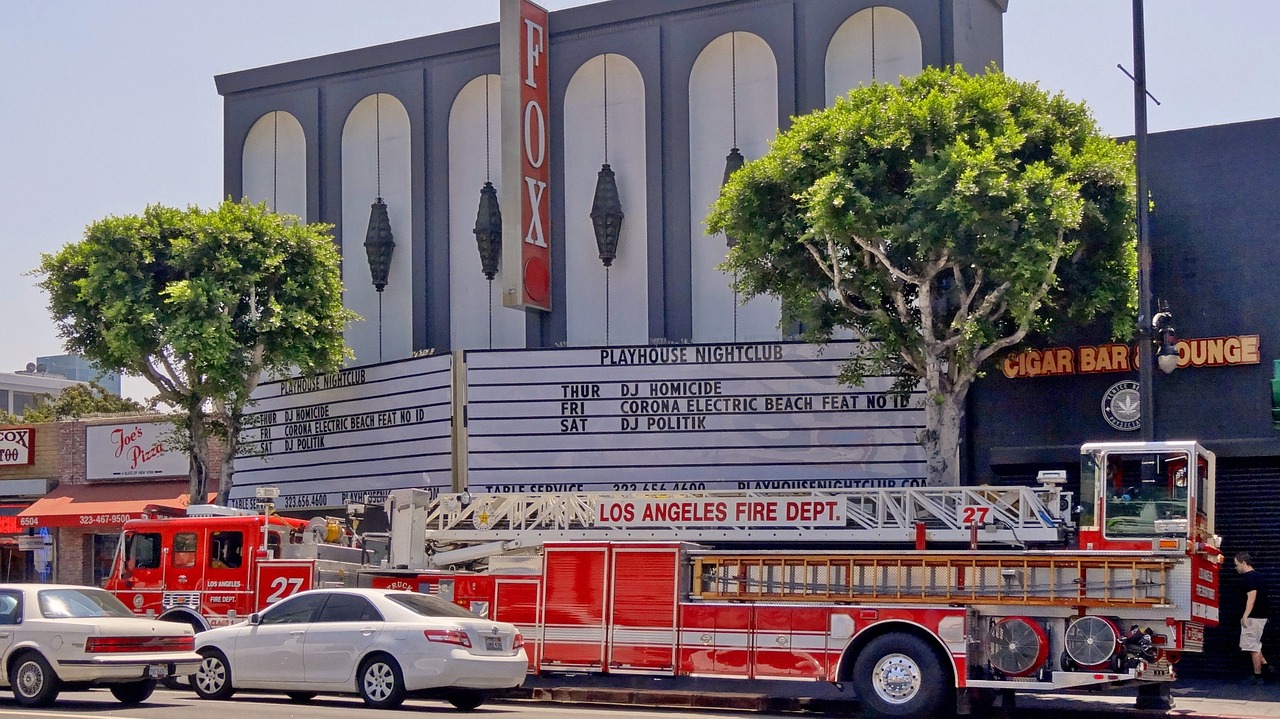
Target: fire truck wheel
{"x": 133, "y": 692}
{"x": 33, "y": 681}
{"x": 898, "y": 675}
{"x": 380, "y": 683}
{"x": 213, "y": 679}
{"x": 465, "y": 700}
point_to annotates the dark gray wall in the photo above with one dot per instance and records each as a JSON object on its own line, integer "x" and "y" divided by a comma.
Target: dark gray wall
{"x": 662, "y": 39}
{"x": 1215, "y": 239}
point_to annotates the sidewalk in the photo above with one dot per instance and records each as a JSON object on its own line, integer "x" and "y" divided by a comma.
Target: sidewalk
{"x": 1202, "y": 698}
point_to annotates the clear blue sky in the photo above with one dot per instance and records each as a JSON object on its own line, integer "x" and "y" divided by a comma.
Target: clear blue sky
{"x": 106, "y": 107}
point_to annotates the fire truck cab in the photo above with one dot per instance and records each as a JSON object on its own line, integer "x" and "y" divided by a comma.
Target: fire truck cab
{"x": 214, "y": 565}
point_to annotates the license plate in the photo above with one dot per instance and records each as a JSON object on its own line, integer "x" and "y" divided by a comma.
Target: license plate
{"x": 157, "y": 671}
{"x": 493, "y": 644}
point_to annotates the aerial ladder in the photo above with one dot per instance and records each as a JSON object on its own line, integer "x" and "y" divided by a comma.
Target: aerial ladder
{"x": 993, "y": 544}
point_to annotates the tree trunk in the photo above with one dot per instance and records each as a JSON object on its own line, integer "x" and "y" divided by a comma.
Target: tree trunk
{"x": 229, "y": 446}
{"x": 943, "y": 408}
{"x": 199, "y": 486}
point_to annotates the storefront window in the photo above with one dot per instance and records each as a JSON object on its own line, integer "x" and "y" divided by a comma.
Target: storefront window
{"x": 104, "y": 554}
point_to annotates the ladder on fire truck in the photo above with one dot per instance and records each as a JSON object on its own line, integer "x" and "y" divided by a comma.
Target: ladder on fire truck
{"x": 453, "y": 529}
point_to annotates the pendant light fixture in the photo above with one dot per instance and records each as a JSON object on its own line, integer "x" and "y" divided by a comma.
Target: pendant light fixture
{"x": 378, "y": 241}
{"x": 606, "y": 208}
{"x": 488, "y": 229}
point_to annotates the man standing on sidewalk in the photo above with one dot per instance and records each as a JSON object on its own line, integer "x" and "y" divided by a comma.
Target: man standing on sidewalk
{"x": 1254, "y": 619}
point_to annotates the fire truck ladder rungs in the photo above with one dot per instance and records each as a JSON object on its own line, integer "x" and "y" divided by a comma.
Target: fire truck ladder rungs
{"x": 1034, "y": 578}
{"x": 1010, "y": 516}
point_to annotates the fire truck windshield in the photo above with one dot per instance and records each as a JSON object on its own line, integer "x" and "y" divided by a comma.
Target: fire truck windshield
{"x": 1143, "y": 488}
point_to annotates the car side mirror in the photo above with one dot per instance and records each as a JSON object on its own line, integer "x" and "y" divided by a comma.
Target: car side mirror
{"x": 255, "y": 619}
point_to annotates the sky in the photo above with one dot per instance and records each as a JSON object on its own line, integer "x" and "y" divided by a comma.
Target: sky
{"x": 106, "y": 107}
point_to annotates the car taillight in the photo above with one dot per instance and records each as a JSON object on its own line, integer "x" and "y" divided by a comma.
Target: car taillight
{"x": 105, "y": 645}
{"x": 448, "y": 636}
{"x": 519, "y": 641}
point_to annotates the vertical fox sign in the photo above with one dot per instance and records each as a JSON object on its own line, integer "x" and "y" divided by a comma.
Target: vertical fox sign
{"x": 526, "y": 150}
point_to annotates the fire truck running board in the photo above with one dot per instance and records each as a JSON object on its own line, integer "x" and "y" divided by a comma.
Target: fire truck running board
{"x": 1014, "y": 516}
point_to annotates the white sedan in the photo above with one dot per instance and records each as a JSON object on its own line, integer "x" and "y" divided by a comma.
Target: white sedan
{"x": 381, "y": 644}
{"x": 58, "y": 636}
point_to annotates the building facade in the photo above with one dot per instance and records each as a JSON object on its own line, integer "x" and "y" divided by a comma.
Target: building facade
{"x": 661, "y": 91}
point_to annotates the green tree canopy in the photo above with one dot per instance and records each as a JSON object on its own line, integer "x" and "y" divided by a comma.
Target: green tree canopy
{"x": 944, "y": 218}
{"x": 201, "y": 303}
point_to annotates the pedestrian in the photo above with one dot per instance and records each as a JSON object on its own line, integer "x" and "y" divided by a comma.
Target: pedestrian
{"x": 1254, "y": 619}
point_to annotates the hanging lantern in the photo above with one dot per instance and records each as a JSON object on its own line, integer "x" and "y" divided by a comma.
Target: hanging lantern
{"x": 488, "y": 230}
{"x": 732, "y": 163}
{"x": 378, "y": 244}
{"x": 606, "y": 215}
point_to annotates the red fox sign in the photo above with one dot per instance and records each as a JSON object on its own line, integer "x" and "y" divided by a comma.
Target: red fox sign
{"x": 526, "y": 149}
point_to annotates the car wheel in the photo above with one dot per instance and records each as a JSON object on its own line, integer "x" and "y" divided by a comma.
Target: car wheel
{"x": 465, "y": 700}
{"x": 212, "y": 679}
{"x": 133, "y": 692}
{"x": 381, "y": 685}
{"x": 33, "y": 681}
{"x": 301, "y": 697}
{"x": 899, "y": 675}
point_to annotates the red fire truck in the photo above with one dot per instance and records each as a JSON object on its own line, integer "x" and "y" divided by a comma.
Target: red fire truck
{"x": 914, "y": 597}
{"x": 214, "y": 565}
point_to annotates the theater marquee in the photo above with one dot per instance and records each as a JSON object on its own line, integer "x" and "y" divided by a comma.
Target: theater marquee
{"x": 1117, "y": 357}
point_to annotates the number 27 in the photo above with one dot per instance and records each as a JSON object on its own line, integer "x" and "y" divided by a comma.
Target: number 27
{"x": 283, "y": 587}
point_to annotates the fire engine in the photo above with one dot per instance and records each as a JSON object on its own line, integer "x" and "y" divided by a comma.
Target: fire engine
{"x": 915, "y": 597}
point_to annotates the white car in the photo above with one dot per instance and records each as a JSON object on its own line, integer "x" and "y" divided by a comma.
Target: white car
{"x": 379, "y": 643}
{"x": 60, "y": 636}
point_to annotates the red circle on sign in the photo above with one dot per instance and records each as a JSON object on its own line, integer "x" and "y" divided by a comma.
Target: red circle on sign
{"x": 537, "y": 279}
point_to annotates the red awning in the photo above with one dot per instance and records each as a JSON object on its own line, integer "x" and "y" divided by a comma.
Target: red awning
{"x": 101, "y": 505}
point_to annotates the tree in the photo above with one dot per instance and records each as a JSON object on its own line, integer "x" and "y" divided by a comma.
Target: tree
{"x": 945, "y": 219}
{"x": 74, "y": 402}
{"x": 201, "y": 303}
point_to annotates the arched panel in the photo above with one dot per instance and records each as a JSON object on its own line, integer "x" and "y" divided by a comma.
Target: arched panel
{"x": 274, "y": 164}
{"x": 475, "y": 115}
{"x": 376, "y": 159}
{"x": 736, "y": 65}
{"x": 879, "y": 43}
{"x": 624, "y": 307}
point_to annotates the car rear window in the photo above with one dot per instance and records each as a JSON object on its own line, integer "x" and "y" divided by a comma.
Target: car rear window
{"x": 80, "y": 603}
{"x": 429, "y": 606}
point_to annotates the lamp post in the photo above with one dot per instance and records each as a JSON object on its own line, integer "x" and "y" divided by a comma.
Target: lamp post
{"x": 1146, "y": 386}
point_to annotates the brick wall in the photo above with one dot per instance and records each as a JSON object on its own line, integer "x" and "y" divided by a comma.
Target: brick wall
{"x": 48, "y": 452}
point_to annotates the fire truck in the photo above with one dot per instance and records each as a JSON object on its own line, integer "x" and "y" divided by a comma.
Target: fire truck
{"x": 917, "y": 598}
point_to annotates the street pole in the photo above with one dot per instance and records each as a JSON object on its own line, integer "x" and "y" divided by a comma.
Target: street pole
{"x": 1146, "y": 356}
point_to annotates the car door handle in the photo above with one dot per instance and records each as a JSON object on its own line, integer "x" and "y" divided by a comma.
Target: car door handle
{"x": 366, "y": 632}
{"x": 297, "y": 632}
{"x": 4, "y": 635}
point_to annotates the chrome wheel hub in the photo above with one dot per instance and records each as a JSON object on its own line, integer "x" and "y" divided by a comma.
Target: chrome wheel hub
{"x": 896, "y": 679}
